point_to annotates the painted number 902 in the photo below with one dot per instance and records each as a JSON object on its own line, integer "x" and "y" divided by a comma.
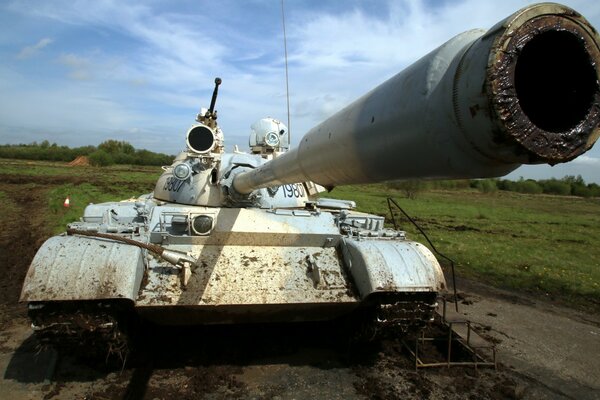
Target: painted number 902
{"x": 295, "y": 190}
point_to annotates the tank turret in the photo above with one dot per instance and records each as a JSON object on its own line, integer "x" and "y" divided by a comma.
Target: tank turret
{"x": 239, "y": 237}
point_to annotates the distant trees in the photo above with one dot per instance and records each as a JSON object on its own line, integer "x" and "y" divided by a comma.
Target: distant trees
{"x": 485, "y": 185}
{"x": 567, "y": 186}
{"x": 116, "y": 147}
{"x": 118, "y": 152}
{"x": 106, "y": 153}
{"x": 43, "y": 151}
{"x": 528, "y": 186}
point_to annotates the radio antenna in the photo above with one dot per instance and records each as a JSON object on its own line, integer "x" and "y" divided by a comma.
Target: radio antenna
{"x": 287, "y": 86}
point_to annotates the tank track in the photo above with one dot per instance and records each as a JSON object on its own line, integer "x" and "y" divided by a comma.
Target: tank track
{"x": 93, "y": 330}
{"x": 102, "y": 330}
{"x": 405, "y": 315}
{"x": 391, "y": 315}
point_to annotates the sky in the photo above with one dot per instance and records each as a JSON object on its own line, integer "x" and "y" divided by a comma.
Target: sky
{"x": 81, "y": 72}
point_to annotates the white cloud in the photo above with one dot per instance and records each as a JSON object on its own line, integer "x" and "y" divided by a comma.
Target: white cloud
{"x": 587, "y": 160}
{"x": 150, "y": 66}
{"x": 30, "y": 51}
{"x": 79, "y": 66}
{"x": 164, "y": 40}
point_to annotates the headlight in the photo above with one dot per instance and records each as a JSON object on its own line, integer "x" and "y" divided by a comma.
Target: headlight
{"x": 182, "y": 171}
{"x": 202, "y": 224}
{"x": 272, "y": 139}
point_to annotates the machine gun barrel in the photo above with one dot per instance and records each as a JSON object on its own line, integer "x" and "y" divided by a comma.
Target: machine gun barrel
{"x": 213, "y": 100}
{"x": 524, "y": 92}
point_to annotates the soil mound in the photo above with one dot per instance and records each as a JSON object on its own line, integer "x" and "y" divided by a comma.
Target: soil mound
{"x": 79, "y": 162}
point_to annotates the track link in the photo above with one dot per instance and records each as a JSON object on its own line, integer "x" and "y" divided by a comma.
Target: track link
{"x": 97, "y": 330}
{"x": 393, "y": 314}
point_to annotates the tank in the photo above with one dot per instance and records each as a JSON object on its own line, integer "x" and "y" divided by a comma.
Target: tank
{"x": 246, "y": 237}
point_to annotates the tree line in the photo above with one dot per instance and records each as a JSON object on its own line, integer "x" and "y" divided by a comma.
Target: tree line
{"x": 568, "y": 186}
{"x": 113, "y": 152}
{"x": 106, "y": 153}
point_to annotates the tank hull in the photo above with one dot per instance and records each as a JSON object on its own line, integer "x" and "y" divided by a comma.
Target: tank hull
{"x": 256, "y": 265}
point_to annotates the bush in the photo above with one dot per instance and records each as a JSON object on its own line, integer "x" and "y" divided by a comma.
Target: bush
{"x": 555, "y": 186}
{"x": 505, "y": 184}
{"x": 116, "y": 146}
{"x": 145, "y": 157}
{"x": 451, "y": 184}
{"x": 101, "y": 158}
{"x": 594, "y": 189}
{"x": 528, "y": 186}
{"x": 410, "y": 187}
{"x": 582, "y": 191}
{"x": 485, "y": 185}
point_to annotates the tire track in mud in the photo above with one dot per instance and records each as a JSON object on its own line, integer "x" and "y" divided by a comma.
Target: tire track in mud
{"x": 23, "y": 232}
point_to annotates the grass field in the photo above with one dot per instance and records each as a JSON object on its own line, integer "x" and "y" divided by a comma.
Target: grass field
{"x": 538, "y": 243}
{"x": 545, "y": 244}
{"x": 83, "y": 185}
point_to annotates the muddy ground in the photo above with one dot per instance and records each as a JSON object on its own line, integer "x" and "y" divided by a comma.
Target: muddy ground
{"x": 545, "y": 351}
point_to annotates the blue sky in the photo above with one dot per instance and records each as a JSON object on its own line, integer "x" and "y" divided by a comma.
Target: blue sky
{"x": 81, "y": 72}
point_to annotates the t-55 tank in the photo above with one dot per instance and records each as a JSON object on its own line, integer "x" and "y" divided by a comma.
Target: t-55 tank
{"x": 246, "y": 237}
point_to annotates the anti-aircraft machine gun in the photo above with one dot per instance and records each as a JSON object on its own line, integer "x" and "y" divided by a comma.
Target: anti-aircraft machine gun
{"x": 242, "y": 237}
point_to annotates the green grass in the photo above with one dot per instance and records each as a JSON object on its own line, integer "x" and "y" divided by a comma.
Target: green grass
{"x": 117, "y": 173}
{"x": 84, "y": 185}
{"x": 544, "y": 244}
{"x": 8, "y": 204}
{"x": 80, "y": 196}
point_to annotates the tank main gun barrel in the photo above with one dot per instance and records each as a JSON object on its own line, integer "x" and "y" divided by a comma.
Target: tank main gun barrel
{"x": 524, "y": 92}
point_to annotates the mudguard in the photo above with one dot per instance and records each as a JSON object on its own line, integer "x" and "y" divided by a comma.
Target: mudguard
{"x": 379, "y": 265}
{"x": 81, "y": 268}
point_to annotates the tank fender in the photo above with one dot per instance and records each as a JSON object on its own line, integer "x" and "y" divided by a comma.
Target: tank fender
{"x": 378, "y": 265}
{"x": 82, "y": 268}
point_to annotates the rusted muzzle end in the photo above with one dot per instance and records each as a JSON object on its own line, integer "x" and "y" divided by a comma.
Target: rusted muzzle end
{"x": 543, "y": 75}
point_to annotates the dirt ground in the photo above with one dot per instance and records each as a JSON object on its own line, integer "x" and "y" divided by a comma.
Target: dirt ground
{"x": 545, "y": 351}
